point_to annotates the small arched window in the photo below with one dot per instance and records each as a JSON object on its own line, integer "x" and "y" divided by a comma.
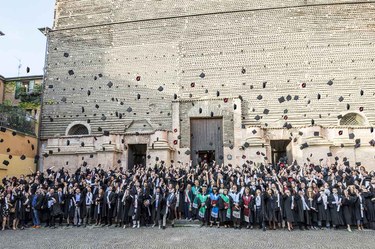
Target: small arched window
{"x": 78, "y": 129}
{"x": 353, "y": 119}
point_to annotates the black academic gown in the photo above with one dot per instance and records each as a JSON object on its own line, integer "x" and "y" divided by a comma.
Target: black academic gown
{"x": 61, "y": 202}
{"x": 126, "y": 207}
{"x": 119, "y": 206}
{"x": 55, "y": 208}
{"x": 26, "y": 208}
{"x": 369, "y": 206}
{"x": 303, "y": 215}
{"x": 136, "y": 206}
{"x": 270, "y": 205}
{"x": 323, "y": 209}
{"x": 288, "y": 208}
{"x": 313, "y": 212}
{"x": 260, "y": 212}
{"x": 18, "y": 205}
{"x": 181, "y": 200}
{"x": 69, "y": 207}
{"x": 223, "y": 217}
{"x": 359, "y": 209}
{"x": 98, "y": 208}
{"x": 146, "y": 207}
{"x": 335, "y": 210}
{"x": 108, "y": 204}
{"x": 348, "y": 209}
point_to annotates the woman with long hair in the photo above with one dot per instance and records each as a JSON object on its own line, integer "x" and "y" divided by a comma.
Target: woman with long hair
{"x": 98, "y": 207}
{"x": 289, "y": 207}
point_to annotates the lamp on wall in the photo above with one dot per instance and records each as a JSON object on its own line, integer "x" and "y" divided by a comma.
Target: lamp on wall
{"x": 1, "y": 33}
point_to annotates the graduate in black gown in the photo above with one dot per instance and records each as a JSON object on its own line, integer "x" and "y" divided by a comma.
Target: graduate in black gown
{"x": 259, "y": 209}
{"x": 146, "y": 205}
{"x": 170, "y": 202}
{"x": 348, "y": 209}
{"x": 313, "y": 208}
{"x": 236, "y": 197}
{"x": 270, "y": 200}
{"x": 98, "y": 208}
{"x": 157, "y": 203}
{"x": 369, "y": 206}
{"x": 289, "y": 208}
{"x": 17, "y": 202}
{"x": 324, "y": 216}
{"x": 119, "y": 193}
{"x": 359, "y": 209}
{"x": 225, "y": 208}
{"x": 279, "y": 204}
{"x": 70, "y": 207}
{"x": 126, "y": 203}
{"x": 335, "y": 202}
{"x": 303, "y": 210}
{"x": 135, "y": 207}
{"x": 109, "y": 203}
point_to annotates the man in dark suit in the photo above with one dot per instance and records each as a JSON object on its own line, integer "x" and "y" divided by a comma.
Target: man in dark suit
{"x": 61, "y": 200}
{"x": 157, "y": 203}
{"x": 53, "y": 206}
{"x": 108, "y": 206}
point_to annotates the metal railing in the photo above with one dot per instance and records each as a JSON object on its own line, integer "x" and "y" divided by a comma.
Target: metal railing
{"x": 17, "y": 119}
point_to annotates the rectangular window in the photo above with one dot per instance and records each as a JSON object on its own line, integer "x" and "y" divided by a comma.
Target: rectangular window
{"x": 18, "y": 90}
{"x": 31, "y": 86}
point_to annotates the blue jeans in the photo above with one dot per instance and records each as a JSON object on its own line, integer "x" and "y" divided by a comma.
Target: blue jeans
{"x": 35, "y": 216}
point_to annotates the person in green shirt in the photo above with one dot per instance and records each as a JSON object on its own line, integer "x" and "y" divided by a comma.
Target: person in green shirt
{"x": 203, "y": 201}
{"x": 225, "y": 208}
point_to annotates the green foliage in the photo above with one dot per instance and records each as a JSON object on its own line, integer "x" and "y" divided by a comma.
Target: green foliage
{"x": 9, "y": 87}
{"x": 7, "y": 102}
{"x": 16, "y": 118}
{"x": 30, "y": 100}
{"x": 29, "y": 105}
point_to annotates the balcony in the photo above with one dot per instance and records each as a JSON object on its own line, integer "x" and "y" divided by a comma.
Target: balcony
{"x": 18, "y": 119}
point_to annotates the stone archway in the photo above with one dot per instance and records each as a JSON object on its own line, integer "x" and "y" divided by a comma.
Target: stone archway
{"x": 353, "y": 119}
{"x": 77, "y": 129}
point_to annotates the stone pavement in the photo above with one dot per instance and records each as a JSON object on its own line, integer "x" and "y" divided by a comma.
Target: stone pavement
{"x": 183, "y": 237}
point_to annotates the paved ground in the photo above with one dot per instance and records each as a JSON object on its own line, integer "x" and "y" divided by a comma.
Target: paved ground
{"x": 184, "y": 237}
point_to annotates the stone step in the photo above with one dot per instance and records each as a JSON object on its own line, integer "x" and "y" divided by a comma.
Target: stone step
{"x": 187, "y": 223}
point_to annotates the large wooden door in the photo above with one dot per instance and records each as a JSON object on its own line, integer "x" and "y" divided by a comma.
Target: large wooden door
{"x": 136, "y": 155}
{"x": 206, "y": 137}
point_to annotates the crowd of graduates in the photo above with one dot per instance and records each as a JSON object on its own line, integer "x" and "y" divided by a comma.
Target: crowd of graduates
{"x": 262, "y": 196}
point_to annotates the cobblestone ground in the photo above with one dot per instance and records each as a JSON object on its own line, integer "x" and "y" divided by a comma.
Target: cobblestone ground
{"x": 183, "y": 237}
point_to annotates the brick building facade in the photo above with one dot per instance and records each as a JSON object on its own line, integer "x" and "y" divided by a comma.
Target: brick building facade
{"x": 144, "y": 81}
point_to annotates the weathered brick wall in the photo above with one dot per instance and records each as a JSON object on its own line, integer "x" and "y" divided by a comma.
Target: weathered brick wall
{"x": 237, "y": 52}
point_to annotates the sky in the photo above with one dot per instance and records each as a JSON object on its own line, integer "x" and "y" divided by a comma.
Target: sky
{"x": 19, "y": 21}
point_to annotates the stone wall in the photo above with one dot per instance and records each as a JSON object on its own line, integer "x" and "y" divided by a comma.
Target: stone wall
{"x": 78, "y": 13}
{"x": 289, "y": 63}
